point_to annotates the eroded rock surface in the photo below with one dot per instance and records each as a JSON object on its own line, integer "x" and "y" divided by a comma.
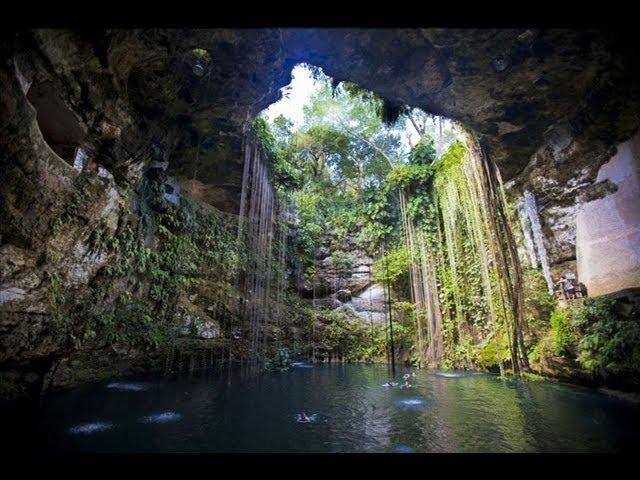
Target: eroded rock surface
{"x": 608, "y": 228}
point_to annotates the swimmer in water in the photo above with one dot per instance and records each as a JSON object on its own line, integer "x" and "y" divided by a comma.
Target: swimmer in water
{"x": 304, "y": 418}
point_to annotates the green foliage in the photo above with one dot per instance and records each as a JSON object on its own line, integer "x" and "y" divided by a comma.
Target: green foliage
{"x": 609, "y": 335}
{"x": 389, "y": 267}
{"x": 203, "y": 55}
{"x": 424, "y": 153}
{"x": 379, "y": 222}
{"x": 491, "y": 352}
{"x": 340, "y": 259}
{"x": 264, "y": 138}
{"x": 538, "y": 303}
{"x": 347, "y": 337}
{"x": 311, "y": 224}
{"x": 279, "y": 362}
{"x": 451, "y": 158}
{"x": 134, "y": 302}
{"x": 404, "y": 176}
{"x": 354, "y": 174}
{"x": 562, "y": 336}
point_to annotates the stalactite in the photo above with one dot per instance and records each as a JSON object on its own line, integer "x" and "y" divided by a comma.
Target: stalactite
{"x": 525, "y": 226}
{"x": 530, "y": 209}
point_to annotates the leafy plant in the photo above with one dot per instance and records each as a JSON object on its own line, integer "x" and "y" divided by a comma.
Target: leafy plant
{"x": 562, "y": 335}
{"x": 609, "y": 336}
{"x": 280, "y": 362}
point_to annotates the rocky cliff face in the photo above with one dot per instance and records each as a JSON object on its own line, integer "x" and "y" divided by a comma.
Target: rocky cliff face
{"x": 340, "y": 264}
{"x": 608, "y": 226}
{"x": 344, "y": 279}
{"x": 85, "y": 117}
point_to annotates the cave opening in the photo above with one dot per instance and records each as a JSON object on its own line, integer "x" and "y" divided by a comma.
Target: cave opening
{"x": 58, "y": 124}
{"x": 351, "y": 191}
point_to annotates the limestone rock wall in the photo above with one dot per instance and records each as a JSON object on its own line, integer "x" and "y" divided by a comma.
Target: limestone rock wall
{"x": 340, "y": 264}
{"x": 608, "y": 228}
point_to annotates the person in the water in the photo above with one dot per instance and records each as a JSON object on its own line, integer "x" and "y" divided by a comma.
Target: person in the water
{"x": 304, "y": 418}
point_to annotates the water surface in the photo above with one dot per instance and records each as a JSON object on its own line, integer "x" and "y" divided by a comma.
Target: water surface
{"x": 349, "y": 408}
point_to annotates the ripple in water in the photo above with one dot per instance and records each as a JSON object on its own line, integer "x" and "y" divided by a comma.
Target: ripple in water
{"x": 92, "y": 427}
{"x": 301, "y": 365}
{"x": 450, "y": 374}
{"x": 403, "y": 449}
{"x": 458, "y": 374}
{"x": 411, "y": 403}
{"x": 164, "y": 417}
{"x": 127, "y": 387}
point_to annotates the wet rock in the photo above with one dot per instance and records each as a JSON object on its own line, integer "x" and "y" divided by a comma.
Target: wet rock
{"x": 343, "y": 295}
{"x": 501, "y": 63}
{"x": 199, "y": 328}
{"x": 327, "y": 302}
{"x": 597, "y": 191}
{"x": 12, "y": 293}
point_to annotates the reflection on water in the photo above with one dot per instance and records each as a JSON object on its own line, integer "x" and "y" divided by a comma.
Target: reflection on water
{"x": 301, "y": 365}
{"x": 350, "y": 411}
{"x": 163, "y": 417}
{"x": 403, "y": 449}
{"x": 87, "y": 428}
{"x": 411, "y": 403}
{"x": 127, "y": 387}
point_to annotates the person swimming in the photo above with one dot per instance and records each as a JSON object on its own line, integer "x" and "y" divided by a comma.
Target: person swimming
{"x": 303, "y": 418}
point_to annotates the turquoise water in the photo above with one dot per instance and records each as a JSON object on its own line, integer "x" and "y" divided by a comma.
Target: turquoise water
{"x": 349, "y": 410}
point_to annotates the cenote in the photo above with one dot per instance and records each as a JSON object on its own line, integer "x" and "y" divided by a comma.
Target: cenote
{"x": 349, "y": 411}
{"x": 320, "y": 240}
